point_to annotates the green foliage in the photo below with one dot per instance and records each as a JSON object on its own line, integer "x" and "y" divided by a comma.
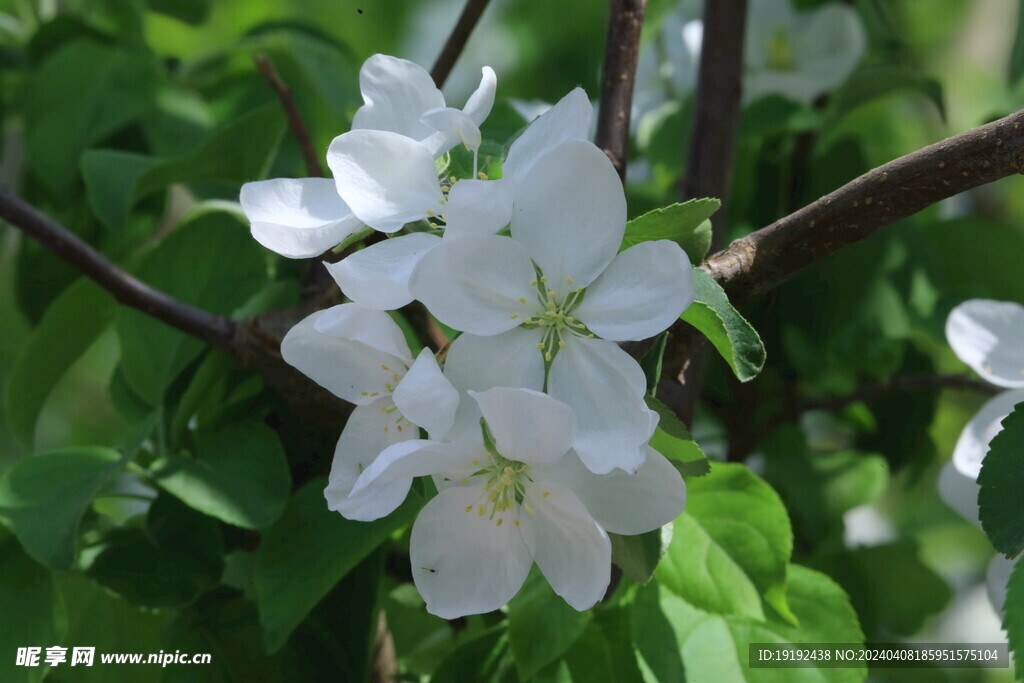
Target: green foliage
{"x": 29, "y": 595}
{"x": 43, "y": 499}
{"x": 673, "y": 440}
{"x": 601, "y": 654}
{"x": 1013, "y": 619}
{"x": 541, "y": 626}
{"x": 1002, "y": 480}
{"x": 734, "y": 338}
{"x": 638, "y": 555}
{"x": 873, "y": 81}
{"x": 686, "y": 224}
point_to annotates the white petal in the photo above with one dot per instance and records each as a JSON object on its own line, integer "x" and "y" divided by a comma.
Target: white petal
{"x": 462, "y": 562}
{"x": 376, "y": 329}
{"x": 604, "y": 387}
{"x": 478, "y": 207}
{"x": 385, "y": 483}
{"x": 972, "y": 446}
{"x": 829, "y": 44}
{"x": 959, "y": 492}
{"x": 478, "y": 283}
{"x": 362, "y": 441}
{"x": 569, "y": 119}
{"x": 349, "y": 369}
{"x": 570, "y": 213}
{"x": 527, "y": 425}
{"x": 624, "y": 503}
{"x": 506, "y": 360}
{"x": 396, "y": 93}
{"x": 989, "y": 336}
{"x": 572, "y": 551}
{"x": 643, "y": 291}
{"x": 297, "y": 217}
{"x": 456, "y": 125}
{"x": 479, "y": 104}
{"x": 378, "y": 276}
{"x": 426, "y": 397}
{"x": 387, "y": 179}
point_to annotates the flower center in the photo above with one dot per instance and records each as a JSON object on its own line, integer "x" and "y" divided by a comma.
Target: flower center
{"x": 554, "y": 315}
{"x": 505, "y": 481}
{"x": 780, "y": 51}
{"x": 389, "y": 382}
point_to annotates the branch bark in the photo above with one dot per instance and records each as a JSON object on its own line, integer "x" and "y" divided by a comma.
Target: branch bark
{"x": 457, "y": 40}
{"x": 622, "y": 49}
{"x": 295, "y": 120}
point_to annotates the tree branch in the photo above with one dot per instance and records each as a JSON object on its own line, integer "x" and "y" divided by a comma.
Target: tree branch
{"x": 295, "y": 120}
{"x": 457, "y": 40}
{"x": 618, "y": 75}
{"x": 213, "y": 329}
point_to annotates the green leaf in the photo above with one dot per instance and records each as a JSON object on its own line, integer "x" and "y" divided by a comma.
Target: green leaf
{"x": 189, "y": 11}
{"x": 239, "y": 152}
{"x": 43, "y": 498}
{"x": 239, "y": 475}
{"x": 1016, "y": 69}
{"x": 638, "y": 555}
{"x": 29, "y": 596}
{"x": 604, "y": 652}
{"x": 651, "y": 362}
{"x": 734, "y": 338}
{"x": 81, "y": 94}
{"x": 153, "y": 354}
{"x": 71, "y": 324}
{"x": 307, "y": 552}
{"x": 1002, "y": 480}
{"x": 188, "y": 534}
{"x": 541, "y": 626}
{"x": 673, "y": 440}
{"x": 873, "y": 81}
{"x": 715, "y": 647}
{"x": 653, "y": 636}
{"x": 1013, "y": 618}
{"x": 731, "y": 546}
{"x": 485, "y": 658}
{"x": 685, "y": 224}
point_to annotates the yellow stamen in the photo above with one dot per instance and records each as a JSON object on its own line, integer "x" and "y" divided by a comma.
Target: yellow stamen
{"x": 498, "y": 523}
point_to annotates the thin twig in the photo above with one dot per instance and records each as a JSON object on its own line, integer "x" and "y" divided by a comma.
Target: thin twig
{"x": 457, "y": 40}
{"x": 618, "y": 75}
{"x": 295, "y": 120}
{"x": 211, "y": 328}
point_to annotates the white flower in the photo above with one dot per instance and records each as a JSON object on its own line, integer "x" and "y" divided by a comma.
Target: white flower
{"x": 394, "y": 182}
{"x": 513, "y": 495}
{"x": 361, "y": 356}
{"x": 559, "y": 294}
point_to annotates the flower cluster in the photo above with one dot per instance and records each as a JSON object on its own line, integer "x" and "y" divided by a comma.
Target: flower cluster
{"x": 535, "y": 431}
{"x": 989, "y": 337}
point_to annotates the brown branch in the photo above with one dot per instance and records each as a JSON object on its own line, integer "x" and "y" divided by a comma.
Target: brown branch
{"x": 761, "y": 261}
{"x": 213, "y": 329}
{"x": 295, "y": 120}
{"x": 457, "y": 40}
{"x": 618, "y": 75}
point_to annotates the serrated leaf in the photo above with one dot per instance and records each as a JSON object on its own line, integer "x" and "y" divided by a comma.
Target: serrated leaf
{"x": 43, "y": 498}
{"x": 1001, "y": 505}
{"x": 239, "y": 475}
{"x": 71, "y": 324}
{"x": 731, "y": 546}
{"x": 307, "y": 552}
{"x": 541, "y": 626}
{"x": 638, "y": 555}
{"x": 686, "y": 224}
{"x": 239, "y": 152}
{"x": 728, "y": 331}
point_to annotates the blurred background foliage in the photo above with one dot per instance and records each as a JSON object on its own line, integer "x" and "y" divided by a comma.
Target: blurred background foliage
{"x": 134, "y": 122}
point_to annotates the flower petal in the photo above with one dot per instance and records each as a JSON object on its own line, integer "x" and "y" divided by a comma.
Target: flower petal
{"x": 527, "y": 425}
{"x": 570, "y": 213}
{"x": 349, "y": 369}
{"x": 987, "y": 335}
{"x": 297, "y": 217}
{"x": 378, "y": 276}
{"x": 972, "y": 446}
{"x": 376, "y": 329}
{"x": 505, "y": 360}
{"x": 624, "y": 503}
{"x": 479, "y": 104}
{"x": 456, "y": 126}
{"x": 478, "y": 207}
{"x": 604, "y": 386}
{"x": 572, "y": 551}
{"x": 426, "y": 397}
{"x": 569, "y": 119}
{"x": 478, "y": 283}
{"x": 387, "y": 179}
{"x": 959, "y": 492}
{"x": 462, "y": 562}
{"x": 396, "y": 92}
{"x": 368, "y": 432}
{"x": 643, "y": 291}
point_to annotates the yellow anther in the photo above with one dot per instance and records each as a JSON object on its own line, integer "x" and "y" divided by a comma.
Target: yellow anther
{"x": 383, "y": 409}
{"x": 539, "y": 346}
{"x": 452, "y": 179}
{"x": 375, "y": 393}
{"x": 385, "y": 429}
{"x": 543, "y": 278}
{"x": 509, "y": 471}
{"x": 399, "y": 427}
{"x": 474, "y": 462}
{"x": 394, "y": 377}
{"x": 498, "y": 523}
{"x": 529, "y": 509}
{"x": 561, "y": 344}
{"x": 364, "y": 393}
{"x": 514, "y": 316}
{"x": 547, "y": 356}
{"x": 481, "y": 175}
{"x": 522, "y": 300}
{"x": 590, "y": 336}
{"x": 579, "y": 289}
{"x": 388, "y": 387}
{"x": 385, "y": 368}
{"x": 446, "y": 188}
{"x": 525, "y": 467}
{"x": 464, "y": 481}
{"x": 569, "y": 319}
{"x": 431, "y": 213}
{"x": 542, "y": 322}
{"x": 516, "y": 522}
{"x": 482, "y": 510}
{"x": 441, "y": 202}
{"x": 533, "y": 283}
{"x": 468, "y": 508}
{"x": 568, "y": 279}
{"x": 547, "y": 494}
